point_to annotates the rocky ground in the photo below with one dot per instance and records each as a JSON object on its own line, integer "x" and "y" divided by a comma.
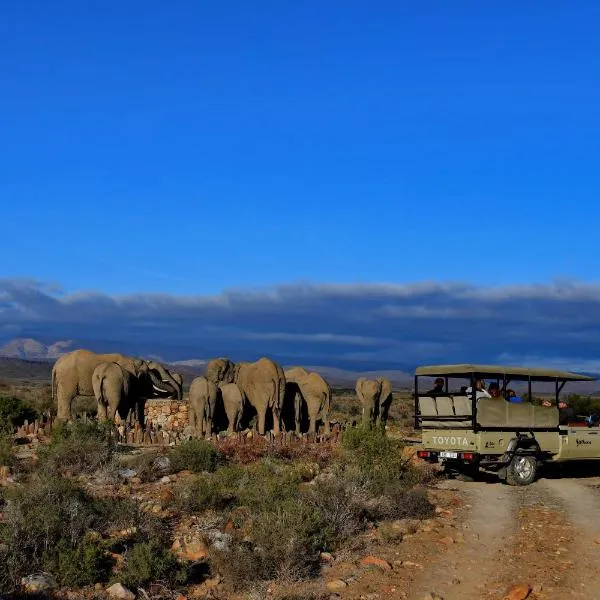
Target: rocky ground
{"x": 487, "y": 541}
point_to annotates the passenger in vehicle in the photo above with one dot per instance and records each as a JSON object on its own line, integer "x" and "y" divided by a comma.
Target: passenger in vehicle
{"x": 438, "y": 388}
{"x": 511, "y": 396}
{"x": 481, "y": 391}
{"x": 494, "y": 391}
{"x": 566, "y": 413}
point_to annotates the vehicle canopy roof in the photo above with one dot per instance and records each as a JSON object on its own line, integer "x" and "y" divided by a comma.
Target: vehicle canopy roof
{"x": 498, "y": 371}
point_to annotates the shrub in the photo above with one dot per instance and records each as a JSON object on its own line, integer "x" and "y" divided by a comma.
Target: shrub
{"x": 84, "y": 564}
{"x": 44, "y": 518}
{"x": 195, "y": 455}
{"x": 80, "y": 447}
{"x": 13, "y": 413}
{"x": 267, "y": 483}
{"x": 341, "y": 505}
{"x": 6, "y": 456}
{"x": 151, "y": 561}
{"x": 286, "y": 538}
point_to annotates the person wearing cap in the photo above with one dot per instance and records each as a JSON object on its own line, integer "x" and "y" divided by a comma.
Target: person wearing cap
{"x": 438, "y": 387}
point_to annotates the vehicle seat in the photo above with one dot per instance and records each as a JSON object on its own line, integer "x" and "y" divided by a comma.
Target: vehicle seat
{"x": 445, "y": 407}
{"x": 545, "y": 416}
{"x": 463, "y": 407}
{"x": 427, "y": 408}
{"x": 492, "y": 413}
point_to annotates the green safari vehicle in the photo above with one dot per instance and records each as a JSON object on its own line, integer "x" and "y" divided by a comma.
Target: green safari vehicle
{"x": 467, "y": 433}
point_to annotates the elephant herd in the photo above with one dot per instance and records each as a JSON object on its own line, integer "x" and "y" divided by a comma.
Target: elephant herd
{"x": 290, "y": 399}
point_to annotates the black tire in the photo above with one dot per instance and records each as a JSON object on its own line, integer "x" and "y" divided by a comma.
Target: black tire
{"x": 522, "y": 470}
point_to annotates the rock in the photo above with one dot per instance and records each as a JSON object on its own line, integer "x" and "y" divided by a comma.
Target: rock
{"x": 120, "y": 592}
{"x": 194, "y": 550}
{"x": 446, "y": 541}
{"x": 127, "y": 473}
{"x": 373, "y": 561}
{"x": 39, "y": 582}
{"x": 432, "y": 596}
{"x": 166, "y": 496}
{"x": 408, "y": 563}
{"x": 326, "y": 557}
{"x": 336, "y": 585}
{"x": 519, "y": 591}
{"x": 219, "y": 540}
{"x": 98, "y": 587}
{"x": 165, "y": 479}
{"x": 162, "y": 464}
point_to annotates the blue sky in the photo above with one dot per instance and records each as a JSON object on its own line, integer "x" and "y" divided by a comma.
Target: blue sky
{"x": 187, "y": 148}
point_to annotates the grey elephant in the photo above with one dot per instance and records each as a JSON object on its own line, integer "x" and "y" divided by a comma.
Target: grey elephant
{"x": 261, "y": 383}
{"x": 375, "y": 396}
{"x": 203, "y": 399}
{"x": 385, "y": 401}
{"x": 118, "y": 391}
{"x": 233, "y": 403}
{"x": 72, "y": 376}
{"x": 308, "y": 389}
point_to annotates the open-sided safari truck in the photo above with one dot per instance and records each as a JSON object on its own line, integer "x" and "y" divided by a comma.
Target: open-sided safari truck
{"x": 513, "y": 439}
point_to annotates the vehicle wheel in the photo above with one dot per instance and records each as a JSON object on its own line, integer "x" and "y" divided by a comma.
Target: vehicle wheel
{"x": 522, "y": 470}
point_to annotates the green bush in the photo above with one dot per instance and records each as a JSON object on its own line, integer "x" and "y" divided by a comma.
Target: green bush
{"x": 217, "y": 490}
{"x": 285, "y": 543}
{"x": 195, "y": 455}
{"x": 151, "y": 561}
{"x": 42, "y": 519}
{"x": 6, "y": 456}
{"x": 53, "y": 525}
{"x": 13, "y": 413}
{"x": 267, "y": 483}
{"x": 84, "y": 564}
{"x": 79, "y": 447}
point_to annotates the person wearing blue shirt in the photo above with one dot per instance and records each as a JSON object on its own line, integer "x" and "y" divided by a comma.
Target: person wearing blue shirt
{"x": 511, "y": 396}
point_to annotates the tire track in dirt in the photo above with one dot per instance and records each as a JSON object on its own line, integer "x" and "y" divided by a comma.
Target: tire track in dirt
{"x": 463, "y": 572}
{"x": 581, "y": 505}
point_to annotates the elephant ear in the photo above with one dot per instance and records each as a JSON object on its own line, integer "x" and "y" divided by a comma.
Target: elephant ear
{"x": 219, "y": 370}
{"x": 386, "y": 388}
{"x": 359, "y": 386}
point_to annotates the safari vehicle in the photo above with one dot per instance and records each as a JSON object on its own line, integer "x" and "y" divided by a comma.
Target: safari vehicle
{"x": 467, "y": 434}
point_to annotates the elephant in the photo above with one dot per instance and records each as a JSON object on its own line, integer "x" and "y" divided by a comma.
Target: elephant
{"x": 119, "y": 391}
{"x": 310, "y": 388}
{"x": 203, "y": 399}
{"x": 72, "y": 376}
{"x": 385, "y": 400}
{"x": 375, "y": 395}
{"x": 261, "y": 383}
{"x": 233, "y": 402}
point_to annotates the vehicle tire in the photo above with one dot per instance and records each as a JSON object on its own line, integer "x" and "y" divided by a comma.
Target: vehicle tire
{"x": 522, "y": 470}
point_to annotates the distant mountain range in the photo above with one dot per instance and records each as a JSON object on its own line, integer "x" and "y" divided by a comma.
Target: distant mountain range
{"x": 29, "y": 350}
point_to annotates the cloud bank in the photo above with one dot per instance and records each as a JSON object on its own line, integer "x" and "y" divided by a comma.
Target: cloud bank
{"x": 370, "y": 325}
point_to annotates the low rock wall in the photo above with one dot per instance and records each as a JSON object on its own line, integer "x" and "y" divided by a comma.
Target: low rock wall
{"x": 169, "y": 415}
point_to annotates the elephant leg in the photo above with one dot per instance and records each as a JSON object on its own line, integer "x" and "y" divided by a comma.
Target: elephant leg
{"x": 298, "y": 412}
{"x": 313, "y": 414}
{"x": 326, "y": 425}
{"x": 140, "y": 412}
{"x": 64, "y": 398}
{"x": 262, "y": 415}
{"x": 276, "y": 412}
{"x": 101, "y": 412}
{"x": 111, "y": 411}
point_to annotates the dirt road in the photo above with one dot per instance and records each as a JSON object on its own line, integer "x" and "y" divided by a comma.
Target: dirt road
{"x": 546, "y": 536}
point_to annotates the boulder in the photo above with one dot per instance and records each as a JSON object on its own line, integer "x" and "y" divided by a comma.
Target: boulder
{"x": 119, "y": 592}
{"x": 39, "y": 582}
{"x": 374, "y": 561}
{"x": 519, "y": 591}
{"x": 335, "y": 585}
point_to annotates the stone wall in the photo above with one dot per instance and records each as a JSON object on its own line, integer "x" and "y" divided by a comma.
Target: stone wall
{"x": 170, "y": 415}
